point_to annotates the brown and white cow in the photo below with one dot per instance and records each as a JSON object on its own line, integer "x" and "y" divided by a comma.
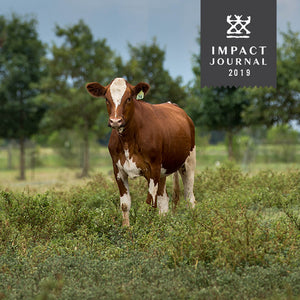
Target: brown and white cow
{"x": 147, "y": 140}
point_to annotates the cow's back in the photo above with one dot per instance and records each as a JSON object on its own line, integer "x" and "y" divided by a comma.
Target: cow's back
{"x": 168, "y": 130}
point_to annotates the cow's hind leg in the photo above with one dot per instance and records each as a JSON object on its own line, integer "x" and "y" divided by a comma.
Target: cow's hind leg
{"x": 176, "y": 190}
{"x": 162, "y": 197}
{"x": 187, "y": 172}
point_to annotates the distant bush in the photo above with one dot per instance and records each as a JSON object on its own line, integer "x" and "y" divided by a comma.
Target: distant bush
{"x": 285, "y": 140}
{"x": 244, "y": 149}
{"x": 283, "y": 134}
{"x": 241, "y": 241}
{"x": 65, "y": 143}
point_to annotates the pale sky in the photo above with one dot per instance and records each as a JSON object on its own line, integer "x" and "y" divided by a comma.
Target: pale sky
{"x": 175, "y": 23}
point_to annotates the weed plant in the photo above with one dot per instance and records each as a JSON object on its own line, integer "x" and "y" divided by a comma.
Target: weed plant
{"x": 241, "y": 241}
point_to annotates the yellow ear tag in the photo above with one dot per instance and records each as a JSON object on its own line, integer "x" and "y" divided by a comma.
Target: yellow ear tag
{"x": 140, "y": 95}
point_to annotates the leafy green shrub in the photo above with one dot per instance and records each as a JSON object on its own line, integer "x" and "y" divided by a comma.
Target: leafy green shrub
{"x": 241, "y": 240}
{"x": 136, "y": 276}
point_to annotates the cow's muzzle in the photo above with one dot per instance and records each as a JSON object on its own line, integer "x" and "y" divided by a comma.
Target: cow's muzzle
{"x": 115, "y": 123}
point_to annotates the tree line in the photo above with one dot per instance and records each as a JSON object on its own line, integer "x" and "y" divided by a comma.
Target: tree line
{"x": 42, "y": 87}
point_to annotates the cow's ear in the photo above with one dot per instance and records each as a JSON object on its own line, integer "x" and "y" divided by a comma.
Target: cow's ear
{"x": 96, "y": 89}
{"x": 141, "y": 89}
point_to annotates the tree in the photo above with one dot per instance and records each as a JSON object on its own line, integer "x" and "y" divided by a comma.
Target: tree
{"x": 272, "y": 106}
{"x": 20, "y": 72}
{"x": 146, "y": 63}
{"x": 221, "y": 109}
{"x": 195, "y": 87}
{"x": 80, "y": 59}
{"x": 216, "y": 108}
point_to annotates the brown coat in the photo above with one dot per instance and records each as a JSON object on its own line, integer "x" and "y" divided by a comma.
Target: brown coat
{"x": 147, "y": 140}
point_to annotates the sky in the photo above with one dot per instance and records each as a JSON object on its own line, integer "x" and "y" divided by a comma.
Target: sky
{"x": 175, "y": 24}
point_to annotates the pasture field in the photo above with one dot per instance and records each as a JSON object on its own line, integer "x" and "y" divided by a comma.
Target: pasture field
{"x": 52, "y": 170}
{"x": 242, "y": 241}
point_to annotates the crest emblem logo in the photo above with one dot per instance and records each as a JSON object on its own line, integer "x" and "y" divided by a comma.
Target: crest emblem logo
{"x": 238, "y": 27}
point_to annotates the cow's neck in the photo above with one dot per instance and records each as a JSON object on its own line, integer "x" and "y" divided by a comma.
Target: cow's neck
{"x": 128, "y": 134}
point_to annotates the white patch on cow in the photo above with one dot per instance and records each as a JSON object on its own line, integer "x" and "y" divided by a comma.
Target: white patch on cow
{"x": 188, "y": 177}
{"x": 129, "y": 166}
{"x": 117, "y": 90}
{"x": 123, "y": 176}
{"x": 125, "y": 204}
{"x": 163, "y": 172}
{"x": 191, "y": 159}
{"x": 126, "y": 152}
{"x": 163, "y": 203}
{"x": 153, "y": 190}
{"x": 125, "y": 200}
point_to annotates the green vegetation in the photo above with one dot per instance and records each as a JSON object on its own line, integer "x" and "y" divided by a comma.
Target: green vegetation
{"x": 66, "y": 242}
{"x": 241, "y": 241}
{"x": 48, "y": 167}
{"x": 43, "y": 100}
{"x": 20, "y": 73}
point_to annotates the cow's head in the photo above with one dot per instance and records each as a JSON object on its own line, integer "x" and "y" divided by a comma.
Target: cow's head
{"x": 119, "y": 95}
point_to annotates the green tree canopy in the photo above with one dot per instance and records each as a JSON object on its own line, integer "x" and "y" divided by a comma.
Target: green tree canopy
{"x": 220, "y": 109}
{"x": 146, "y": 63}
{"x": 195, "y": 87}
{"x": 281, "y": 105}
{"x": 216, "y": 108}
{"x": 78, "y": 60}
{"x": 20, "y": 72}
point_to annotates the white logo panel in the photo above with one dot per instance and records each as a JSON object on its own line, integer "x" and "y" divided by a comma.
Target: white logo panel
{"x": 238, "y": 28}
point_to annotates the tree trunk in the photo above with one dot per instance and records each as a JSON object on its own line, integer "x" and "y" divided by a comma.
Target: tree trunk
{"x": 230, "y": 145}
{"x": 22, "y": 138}
{"x": 9, "y": 155}
{"x": 86, "y": 154}
{"x": 22, "y": 159}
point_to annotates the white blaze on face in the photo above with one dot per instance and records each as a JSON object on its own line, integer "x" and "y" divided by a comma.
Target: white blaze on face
{"x": 117, "y": 90}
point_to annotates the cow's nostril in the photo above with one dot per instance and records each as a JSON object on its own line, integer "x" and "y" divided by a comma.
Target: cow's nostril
{"x": 115, "y": 122}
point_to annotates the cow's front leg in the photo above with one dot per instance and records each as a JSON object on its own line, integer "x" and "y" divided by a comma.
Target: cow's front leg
{"x": 162, "y": 197}
{"x": 125, "y": 199}
{"x": 153, "y": 181}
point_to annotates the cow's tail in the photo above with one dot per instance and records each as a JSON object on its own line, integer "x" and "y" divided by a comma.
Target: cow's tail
{"x": 176, "y": 190}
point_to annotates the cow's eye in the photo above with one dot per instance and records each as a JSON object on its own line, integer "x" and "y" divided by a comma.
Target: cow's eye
{"x": 128, "y": 100}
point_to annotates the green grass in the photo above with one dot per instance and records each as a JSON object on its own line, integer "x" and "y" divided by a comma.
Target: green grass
{"x": 52, "y": 158}
{"x": 241, "y": 241}
{"x": 52, "y": 170}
